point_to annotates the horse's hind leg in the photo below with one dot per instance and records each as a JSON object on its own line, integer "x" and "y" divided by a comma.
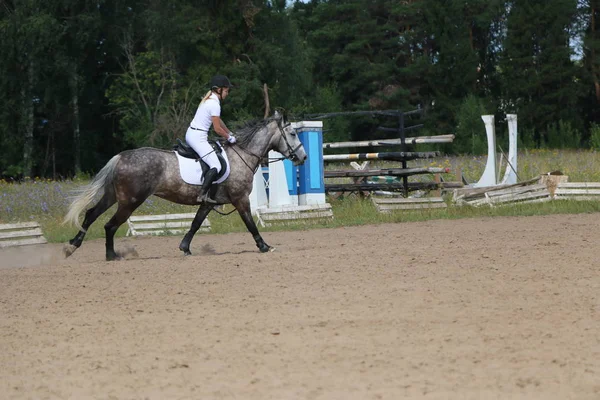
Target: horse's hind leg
{"x": 110, "y": 228}
{"x": 107, "y": 200}
{"x": 201, "y": 214}
{"x": 243, "y": 207}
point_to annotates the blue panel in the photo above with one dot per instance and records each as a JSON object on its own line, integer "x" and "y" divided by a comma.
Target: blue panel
{"x": 314, "y": 159}
{"x": 290, "y": 177}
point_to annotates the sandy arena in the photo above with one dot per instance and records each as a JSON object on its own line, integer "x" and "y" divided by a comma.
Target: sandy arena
{"x": 503, "y": 308}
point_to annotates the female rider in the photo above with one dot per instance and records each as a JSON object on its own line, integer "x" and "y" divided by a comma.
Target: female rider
{"x": 209, "y": 113}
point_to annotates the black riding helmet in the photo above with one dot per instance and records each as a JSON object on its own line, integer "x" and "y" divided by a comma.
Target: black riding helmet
{"x": 220, "y": 81}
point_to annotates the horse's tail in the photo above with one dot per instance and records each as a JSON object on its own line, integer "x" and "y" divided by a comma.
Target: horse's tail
{"x": 86, "y": 194}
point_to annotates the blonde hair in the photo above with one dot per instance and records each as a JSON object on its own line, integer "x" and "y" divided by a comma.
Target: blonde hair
{"x": 206, "y": 96}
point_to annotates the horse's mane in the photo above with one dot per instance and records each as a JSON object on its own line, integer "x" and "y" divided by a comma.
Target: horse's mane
{"x": 246, "y": 131}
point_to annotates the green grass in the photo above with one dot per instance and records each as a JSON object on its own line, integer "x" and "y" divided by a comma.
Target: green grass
{"x": 47, "y": 201}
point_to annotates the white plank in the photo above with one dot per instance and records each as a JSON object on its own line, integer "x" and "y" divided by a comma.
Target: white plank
{"x": 22, "y": 242}
{"x": 310, "y": 207}
{"x": 160, "y": 232}
{"x": 570, "y": 185}
{"x": 163, "y": 225}
{"x": 523, "y": 195}
{"x": 424, "y": 200}
{"x": 20, "y": 233}
{"x": 138, "y": 218}
{"x": 577, "y": 198}
{"x": 268, "y": 216}
{"x": 519, "y": 197}
{"x": 423, "y": 206}
{"x": 295, "y": 216}
{"x": 19, "y": 225}
{"x": 561, "y": 191}
{"x": 140, "y": 225}
{"x": 516, "y": 190}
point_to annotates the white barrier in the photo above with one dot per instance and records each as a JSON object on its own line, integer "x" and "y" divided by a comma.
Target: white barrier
{"x": 489, "y": 176}
{"x": 21, "y": 234}
{"x": 577, "y": 191}
{"x": 510, "y": 175}
{"x": 279, "y": 195}
{"x": 268, "y": 216}
{"x": 165, "y": 224}
{"x": 258, "y": 196}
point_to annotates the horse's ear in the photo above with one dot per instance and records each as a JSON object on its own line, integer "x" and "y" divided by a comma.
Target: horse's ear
{"x": 276, "y": 114}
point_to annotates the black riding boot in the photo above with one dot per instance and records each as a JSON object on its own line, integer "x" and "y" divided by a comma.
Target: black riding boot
{"x": 209, "y": 178}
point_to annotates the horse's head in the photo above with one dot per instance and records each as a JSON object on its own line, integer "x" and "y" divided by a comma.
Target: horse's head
{"x": 286, "y": 141}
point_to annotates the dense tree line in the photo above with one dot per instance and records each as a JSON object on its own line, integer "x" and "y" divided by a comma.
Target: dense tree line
{"x": 83, "y": 80}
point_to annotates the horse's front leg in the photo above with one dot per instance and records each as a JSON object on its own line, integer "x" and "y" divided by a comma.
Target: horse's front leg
{"x": 196, "y": 224}
{"x": 243, "y": 207}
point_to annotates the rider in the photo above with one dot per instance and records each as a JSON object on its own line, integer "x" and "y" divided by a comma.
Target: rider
{"x": 209, "y": 113}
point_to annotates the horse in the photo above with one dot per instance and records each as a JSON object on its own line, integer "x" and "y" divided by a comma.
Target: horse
{"x": 131, "y": 176}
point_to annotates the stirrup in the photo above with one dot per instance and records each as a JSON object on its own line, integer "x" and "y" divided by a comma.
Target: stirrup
{"x": 205, "y": 198}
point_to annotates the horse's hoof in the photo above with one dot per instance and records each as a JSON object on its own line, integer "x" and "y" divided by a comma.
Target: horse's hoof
{"x": 69, "y": 249}
{"x": 113, "y": 257}
{"x": 186, "y": 252}
{"x": 267, "y": 249}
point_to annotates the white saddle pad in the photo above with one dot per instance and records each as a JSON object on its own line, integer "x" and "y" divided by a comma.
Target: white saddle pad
{"x": 191, "y": 171}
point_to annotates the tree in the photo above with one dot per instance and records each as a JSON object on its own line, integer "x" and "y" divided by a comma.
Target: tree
{"x": 538, "y": 75}
{"x": 28, "y": 34}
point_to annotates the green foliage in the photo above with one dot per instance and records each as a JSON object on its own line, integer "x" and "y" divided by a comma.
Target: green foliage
{"x": 595, "y": 137}
{"x": 128, "y": 74}
{"x": 562, "y": 135}
{"x": 138, "y": 96}
{"x": 470, "y": 132}
{"x": 539, "y": 75}
{"x": 526, "y": 139}
{"x": 329, "y": 98}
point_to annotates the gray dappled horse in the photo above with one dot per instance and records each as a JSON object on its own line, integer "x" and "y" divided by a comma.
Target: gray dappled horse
{"x": 132, "y": 176}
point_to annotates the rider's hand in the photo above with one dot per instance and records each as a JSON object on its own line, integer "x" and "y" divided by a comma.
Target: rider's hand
{"x": 231, "y": 139}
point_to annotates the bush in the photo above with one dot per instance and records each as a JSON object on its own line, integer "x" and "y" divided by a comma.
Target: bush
{"x": 562, "y": 136}
{"x": 595, "y": 137}
{"x": 470, "y": 132}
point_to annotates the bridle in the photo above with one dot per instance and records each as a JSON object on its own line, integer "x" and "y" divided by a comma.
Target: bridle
{"x": 292, "y": 156}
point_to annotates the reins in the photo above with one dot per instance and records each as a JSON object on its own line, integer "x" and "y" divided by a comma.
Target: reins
{"x": 292, "y": 156}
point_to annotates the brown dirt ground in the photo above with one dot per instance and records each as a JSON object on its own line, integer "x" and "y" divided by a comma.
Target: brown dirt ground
{"x": 503, "y": 308}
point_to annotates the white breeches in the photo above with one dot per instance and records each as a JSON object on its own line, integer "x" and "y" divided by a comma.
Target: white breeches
{"x": 198, "y": 141}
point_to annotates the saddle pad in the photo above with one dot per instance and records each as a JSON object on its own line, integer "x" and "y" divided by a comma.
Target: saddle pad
{"x": 191, "y": 171}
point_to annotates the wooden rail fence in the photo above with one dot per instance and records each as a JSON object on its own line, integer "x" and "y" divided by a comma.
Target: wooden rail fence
{"x": 20, "y": 234}
{"x": 578, "y": 191}
{"x": 308, "y": 213}
{"x": 165, "y": 224}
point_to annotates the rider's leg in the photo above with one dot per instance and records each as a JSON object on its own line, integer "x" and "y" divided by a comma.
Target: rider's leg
{"x": 211, "y": 175}
{"x": 209, "y": 178}
{"x": 207, "y": 153}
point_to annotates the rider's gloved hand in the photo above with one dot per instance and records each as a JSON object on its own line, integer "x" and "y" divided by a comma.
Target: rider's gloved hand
{"x": 231, "y": 139}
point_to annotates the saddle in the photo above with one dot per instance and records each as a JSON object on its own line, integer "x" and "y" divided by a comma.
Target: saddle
{"x": 186, "y": 151}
